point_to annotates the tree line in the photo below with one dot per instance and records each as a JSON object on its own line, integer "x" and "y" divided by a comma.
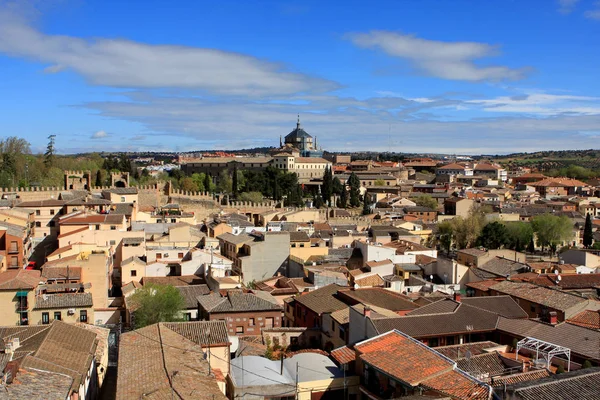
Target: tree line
{"x": 547, "y": 231}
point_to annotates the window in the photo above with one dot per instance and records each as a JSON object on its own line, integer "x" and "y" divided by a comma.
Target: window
{"x": 113, "y": 228}
{"x": 45, "y": 318}
{"x": 532, "y": 308}
{"x": 112, "y": 242}
{"x": 38, "y": 224}
{"x": 38, "y": 212}
{"x": 188, "y": 316}
{"x": 251, "y": 321}
{"x": 14, "y": 261}
{"x": 122, "y": 199}
{"x": 51, "y": 212}
{"x": 332, "y": 325}
{"x": 158, "y": 256}
{"x": 342, "y": 333}
{"x": 14, "y": 247}
{"x": 57, "y": 315}
{"x": 179, "y": 255}
{"x": 97, "y": 227}
{"x": 133, "y": 272}
{"x": 83, "y": 316}
{"x": 239, "y": 330}
{"x": 269, "y": 322}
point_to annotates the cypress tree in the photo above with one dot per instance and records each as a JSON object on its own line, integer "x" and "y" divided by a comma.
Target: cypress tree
{"x": 366, "y": 208}
{"x": 99, "y": 178}
{"x": 588, "y": 235}
{"x": 354, "y": 184}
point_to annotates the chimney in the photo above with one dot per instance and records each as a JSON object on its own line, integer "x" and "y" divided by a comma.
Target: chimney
{"x": 553, "y": 318}
{"x": 457, "y": 296}
{"x": 367, "y": 312}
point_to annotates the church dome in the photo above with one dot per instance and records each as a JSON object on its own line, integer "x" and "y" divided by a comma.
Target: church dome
{"x": 296, "y": 134}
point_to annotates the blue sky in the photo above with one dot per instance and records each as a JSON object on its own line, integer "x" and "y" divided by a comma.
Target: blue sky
{"x": 455, "y": 76}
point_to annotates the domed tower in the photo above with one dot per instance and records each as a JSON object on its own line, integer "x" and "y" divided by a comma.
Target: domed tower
{"x": 301, "y": 140}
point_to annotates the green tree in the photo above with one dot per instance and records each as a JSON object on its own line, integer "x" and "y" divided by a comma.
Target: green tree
{"x": 426, "y": 201}
{"x": 551, "y": 230}
{"x": 209, "y": 186}
{"x": 518, "y": 235}
{"x": 318, "y": 203}
{"x": 234, "y": 182}
{"x": 188, "y": 184}
{"x": 343, "y": 200}
{"x": 445, "y": 234}
{"x": 199, "y": 179}
{"x": 225, "y": 183}
{"x": 337, "y": 186}
{"x": 327, "y": 187}
{"x": 156, "y": 303}
{"x": 255, "y": 197}
{"x": 366, "y": 206}
{"x": 588, "y": 235}
{"x": 99, "y": 178}
{"x": 49, "y": 154}
{"x": 493, "y": 235}
{"x": 354, "y": 184}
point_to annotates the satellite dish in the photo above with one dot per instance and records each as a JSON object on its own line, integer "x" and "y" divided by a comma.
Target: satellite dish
{"x": 356, "y": 286}
{"x": 559, "y": 278}
{"x": 468, "y": 355}
{"x": 556, "y": 272}
{"x": 431, "y": 278}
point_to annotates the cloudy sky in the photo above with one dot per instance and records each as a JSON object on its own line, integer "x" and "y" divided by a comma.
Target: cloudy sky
{"x": 455, "y": 76}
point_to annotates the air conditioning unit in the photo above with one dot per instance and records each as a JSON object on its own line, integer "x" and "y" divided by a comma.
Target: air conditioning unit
{"x": 166, "y": 254}
{"x": 71, "y": 311}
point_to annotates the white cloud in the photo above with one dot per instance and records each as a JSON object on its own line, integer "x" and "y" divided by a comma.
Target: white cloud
{"x": 566, "y": 6}
{"x": 129, "y": 64}
{"x": 202, "y": 124}
{"x": 541, "y": 104}
{"x": 595, "y": 13}
{"x": 99, "y": 135}
{"x": 446, "y": 60}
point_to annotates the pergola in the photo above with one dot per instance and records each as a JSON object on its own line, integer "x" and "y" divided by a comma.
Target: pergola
{"x": 547, "y": 350}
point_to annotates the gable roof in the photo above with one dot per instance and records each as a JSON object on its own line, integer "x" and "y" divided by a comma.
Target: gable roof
{"x": 379, "y": 297}
{"x": 235, "y": 301}
{"x": 412, "y": 362}
{"x": 59, "y": 347}
{"x": 15, "y": 279}
{"x": 190, "y": 294}
{"x": 578, "y": 339}
{"x": 204, "y": 333}
{"x": 149, "y": 358}
{"x": 446, "y": 323}
{"x": 587, "y": 319}
{"x": 322, "y": 300}
{"x": 581, "y": 384}
{"x": 556, "y": 299}
{"x": 501, "y": 305}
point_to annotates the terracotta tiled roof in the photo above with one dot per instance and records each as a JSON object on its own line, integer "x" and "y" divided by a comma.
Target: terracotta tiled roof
{"x": 19, "y": 279}
{"x": 379, "y": 297}
{"x": 558, "y": 182}
{"x": 402, "y": 357}
{"x": 148, "y": 359}
{"x": 204, "y": 333}
{"x": 235, "y": 301}
{"x": 578, "y": 339}
{"x": 556, "y": 299}
{"x": 452, "y": 166}
{"x": 63, "y": 300}
{"x": 482, "y": 285}
{"x": 501, "y": 381}
{"x": 373, "y": 280}
{"x": 322, "y": 300}
{"x": 459, "y": 385}
{"x": 501, "y": 305}
{"x": 450, "y": 323}
{"x": 36, "y": 384}
{"x": 343, "y": 355}
{"x": 587, "y": 319}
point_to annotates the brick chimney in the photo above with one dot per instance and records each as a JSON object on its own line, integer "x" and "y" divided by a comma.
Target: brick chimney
{"x": 457, "y": 296}
{"x": 367, "y": 312}
{"x": 553, "y": 318}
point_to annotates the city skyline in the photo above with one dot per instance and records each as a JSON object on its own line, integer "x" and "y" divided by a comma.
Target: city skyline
{"x": 439, "y": 77}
